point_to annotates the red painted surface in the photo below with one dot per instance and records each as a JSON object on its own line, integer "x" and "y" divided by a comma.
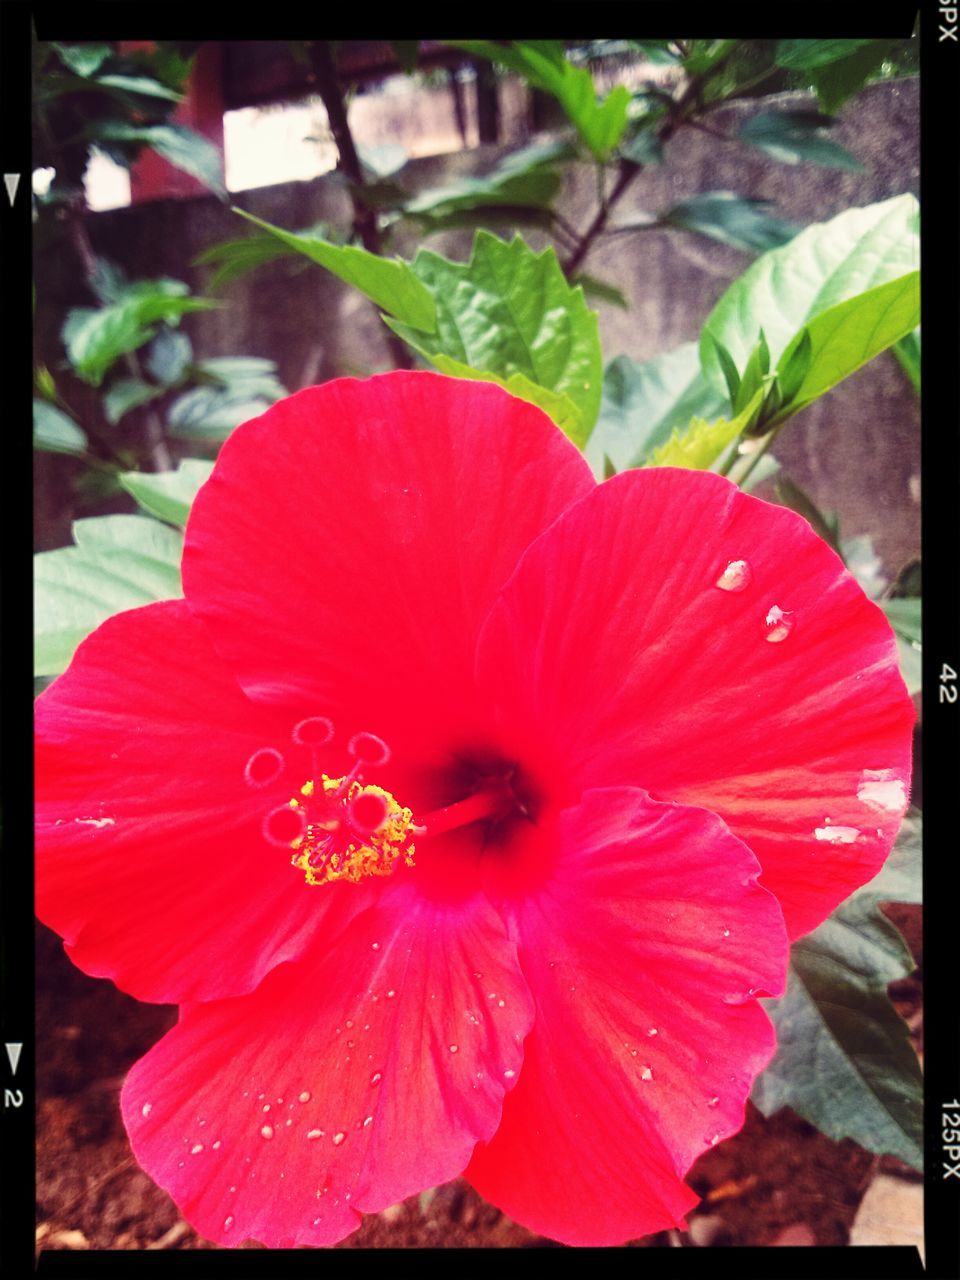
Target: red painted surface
{"x": 154, "y": 178}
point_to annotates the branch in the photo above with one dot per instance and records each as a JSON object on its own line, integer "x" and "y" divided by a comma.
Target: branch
{"x": 365, "y": 224}
{"x": 678, "y": 111}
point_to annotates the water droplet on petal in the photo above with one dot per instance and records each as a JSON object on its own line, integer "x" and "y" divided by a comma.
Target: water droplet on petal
{"x": 376, "y": 1078}
{"x": 715, "y": 1139}
{"x": 266, "y": 1106}
{"x": 391, "y": 994}
{"x": 267, "y": 1131}
{"x": 837, "y": 835}
{"x": 737, "y": 576}
{"x": 881, "y": 790}
{"x": 712, "y": 1102}
{"x": 367, "y": 1121}
{"x": 779, "y": 624}
{"x": 646, "y": 1074}
{"x": 146, "y": 1108}
{"x": 305, "y": 1096}
{"x": 453, "y": 1048}
{"x": 314, "y": 1133}
{"x": 338, "y": 1138}
{"x": 653, "y": 1032}
{"x": 195, "y": 1151}
{"x": 508, "y": 1075}
{"x": 228, "y": 1222}
{"x": 726, "y": 933}
{"x": 375, "y": 946}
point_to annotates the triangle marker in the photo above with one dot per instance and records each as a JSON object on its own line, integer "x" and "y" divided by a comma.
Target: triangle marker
{"x": 13, "y": 1053}
{"x": 11, "y": 181}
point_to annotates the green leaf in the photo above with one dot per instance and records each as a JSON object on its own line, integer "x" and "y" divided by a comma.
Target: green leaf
{"x": 803, "y": 55}
{"x": 56, "y": 432}
{"x": 126, "y": 394}
{"x": 243, "y": 387}
{"x": 145, "y": 86}
{"x": 83, "y": 59}
{"x": 557, "y": 405}
{"x": 510, "y": 311}
{"x": 844, "y": 77}
{"x": 907, "y": 351}
{"x": 753, "y": 376}
{"x": 534, "y": 189}
{"x": 827, "y": 264}
{"x": 698, "y": 446}
{"x": 542, "y": 62}
{"x": 95, "y": 338}
{"x": 235, "y": 257}
{"x": 644, "y": 145}
{"x": 705, "y": 54}
{"x": 905, "y": 616}
{"x": 731, "y": 219}
{"x": 643, "y": 403}
{"x": 211, "y": 413}
{"x": 794, "y": 367}
{"x": 844, "y": 1059}
{"x": 168, "y": 495}
{"x": 389, "y": 282}
{"x": 795, "y": 137}
{"x": 185, "y": 149}
{"x": 659, "y": 52}
{"x": 118, "y": 562}
{"x": 232, "y": 370}
{"x": 601, "y": 291}
{"x": 850, "y": 334}
{"x": 537, "y": 155}
{"x": 168, "y": 356}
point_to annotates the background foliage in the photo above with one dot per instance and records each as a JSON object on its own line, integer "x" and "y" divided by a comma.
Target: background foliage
{"x": 815, "y": 306}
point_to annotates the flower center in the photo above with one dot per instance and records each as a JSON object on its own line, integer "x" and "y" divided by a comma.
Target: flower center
{"x": 349, "y": 831}
{"x": 345, "y": 828}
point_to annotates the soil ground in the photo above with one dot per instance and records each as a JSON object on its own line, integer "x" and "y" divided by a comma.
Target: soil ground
{"x": 779, "y": 1181}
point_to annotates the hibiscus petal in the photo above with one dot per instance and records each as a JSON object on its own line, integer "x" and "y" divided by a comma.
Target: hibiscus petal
{"x": 645, "y": 950}
{"x": 151, "y": 860}
{"x": 356, "y": 566}
{"x": 673, "y": 633}
{"x": 350, "y": 1079}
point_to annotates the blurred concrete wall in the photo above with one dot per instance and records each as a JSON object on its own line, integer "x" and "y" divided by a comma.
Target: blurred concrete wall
{"x": 856, "y": 450}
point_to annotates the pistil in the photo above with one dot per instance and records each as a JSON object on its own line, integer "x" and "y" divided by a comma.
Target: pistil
{"x": 491, "y": 802}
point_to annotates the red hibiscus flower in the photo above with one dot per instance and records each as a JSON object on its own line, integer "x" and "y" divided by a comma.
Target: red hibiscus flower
{"x": 439, "y": 804}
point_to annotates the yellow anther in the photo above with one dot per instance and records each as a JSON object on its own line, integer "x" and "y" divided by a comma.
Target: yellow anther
{"x": 331, "y": 847}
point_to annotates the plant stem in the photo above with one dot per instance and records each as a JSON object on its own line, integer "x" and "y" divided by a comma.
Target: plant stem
{"x": 628, "y": 171}
{"x": 365, "y": 224}
{"x": 156, "y": 438}
{"x": 764, "y": 446}
{"x": 678, "y": 112}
